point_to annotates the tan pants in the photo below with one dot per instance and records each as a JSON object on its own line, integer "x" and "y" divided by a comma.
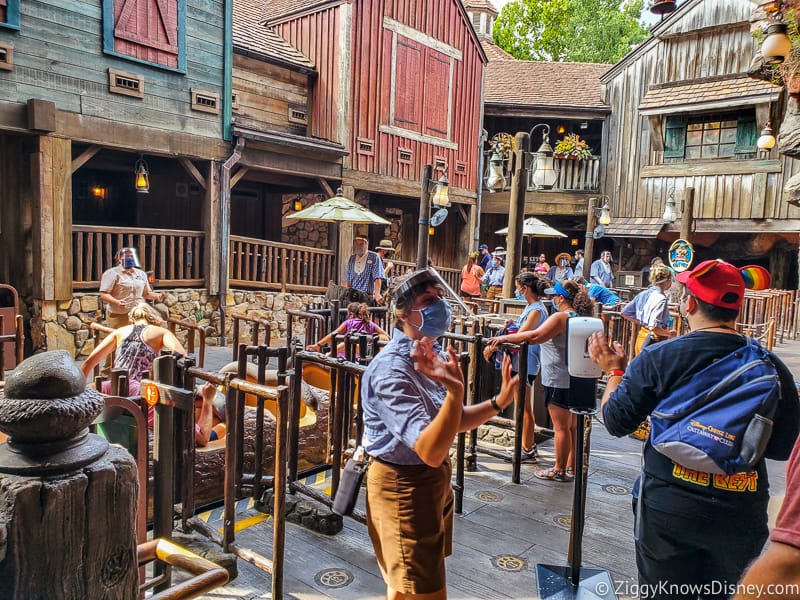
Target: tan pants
{"x": 494, "y": 291}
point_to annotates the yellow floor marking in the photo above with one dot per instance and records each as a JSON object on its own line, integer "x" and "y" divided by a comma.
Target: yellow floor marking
{"x": 248, "y": 522}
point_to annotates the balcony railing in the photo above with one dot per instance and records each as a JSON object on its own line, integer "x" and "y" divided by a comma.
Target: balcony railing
{"x": 573, "y": 175}
{"x": 451, "y": 276}
{"x": 261, "y": 264}
{"x": 174, "y": 256}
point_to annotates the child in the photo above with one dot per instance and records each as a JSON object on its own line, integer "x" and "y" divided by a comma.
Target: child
{"x": 358, "y": 320}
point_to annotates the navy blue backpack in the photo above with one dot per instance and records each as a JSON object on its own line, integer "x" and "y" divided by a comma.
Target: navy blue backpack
{"x": 721, "y": 420}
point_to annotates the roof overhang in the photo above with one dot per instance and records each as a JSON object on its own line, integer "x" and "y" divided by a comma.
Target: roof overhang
{"x": 634, "y": 227}
{"x": 707, "y": 95}
{"x": 294, "y": 142}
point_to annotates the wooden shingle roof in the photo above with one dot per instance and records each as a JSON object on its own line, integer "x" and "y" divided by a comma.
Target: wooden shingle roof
{"x": 275, "y": 10}
{"x": 250, "y": 34}
{"x": 735, "y": 90}
{"x": 483, "y": 5}
{"x": 493, "y": 51}
{"x": 532, "y": 83}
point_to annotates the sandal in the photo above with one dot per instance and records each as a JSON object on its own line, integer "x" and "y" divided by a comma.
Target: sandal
{"x": 551, "y": 475}
{"x": 570, "y": 473}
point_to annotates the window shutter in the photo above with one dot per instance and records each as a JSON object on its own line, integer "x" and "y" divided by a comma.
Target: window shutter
{"x": 147, "y": 30}
{"x": 407, "y": 107}
{"x": 3, "y": 15}
{"x": 675, "y": 137}
{"x": 437, "y": 85}
{"x": 746, "y": 136}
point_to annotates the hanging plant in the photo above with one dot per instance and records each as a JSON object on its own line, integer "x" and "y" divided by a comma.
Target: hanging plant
{"x": 503, "y": 144}
{"x": 572, "y": 146}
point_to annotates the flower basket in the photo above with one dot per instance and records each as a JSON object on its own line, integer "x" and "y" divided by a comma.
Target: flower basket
{"x": 502, "y": 144}
{"x": 573, "y": 147}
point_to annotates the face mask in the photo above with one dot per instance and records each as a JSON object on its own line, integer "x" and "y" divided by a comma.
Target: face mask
{"x": 128, "y": 263}
{"x": 493, "y": 263}
{"x": 519, "y": 295}
{"x": 563, "y": 263}
{"x": 360, "y": 250}
{"x": 435, "y": 319}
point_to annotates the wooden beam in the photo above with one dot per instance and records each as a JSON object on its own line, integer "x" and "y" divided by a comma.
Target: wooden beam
{"x": 84, "y": 157}
{"x": 236, "y": 177}
{"x": 728, "y": 167}
{"x": 188, "y": 165}
{"x": 394, "y": 186}
{"x": 325, "y": 186}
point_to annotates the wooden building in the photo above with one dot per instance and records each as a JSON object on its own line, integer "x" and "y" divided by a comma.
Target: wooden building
{"x": 399, "y": 85}
{"x": 553, "y": 99}
{"x": 684, "y": 114}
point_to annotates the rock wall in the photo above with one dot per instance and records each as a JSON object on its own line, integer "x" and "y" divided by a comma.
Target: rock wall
{"x": 65, "y": 326}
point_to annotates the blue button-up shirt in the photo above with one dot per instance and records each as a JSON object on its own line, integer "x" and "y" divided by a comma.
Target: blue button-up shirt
{"x": 365, "y": 281}
{"x": 494, "y": 276}
{"x": 398, "y": 403}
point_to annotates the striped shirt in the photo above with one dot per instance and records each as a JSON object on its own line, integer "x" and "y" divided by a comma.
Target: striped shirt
{"x": 365, "y": 281}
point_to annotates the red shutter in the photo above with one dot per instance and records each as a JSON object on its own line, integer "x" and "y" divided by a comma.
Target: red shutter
{"x": 406, "y": 84}
{"x": 3, "y": 9}
{"x": 437, "y": 87}
{"x": 147, "y": 30}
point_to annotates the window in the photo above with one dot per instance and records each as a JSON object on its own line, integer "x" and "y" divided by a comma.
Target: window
{"x": 421, "y": 71}
{"x": 147, "y": 31}
{"x": 710, "y": 137}
{"x": 9, "y": 14}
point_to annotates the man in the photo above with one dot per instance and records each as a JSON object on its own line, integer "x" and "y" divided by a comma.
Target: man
{"x": 694, "y": 528}
{"x": 779, "y": 565}
{"x": 650, "y": 308}
{"x": 578, "y": 270}
{"x": 365, "y": 270}
{"x": 601, "y": 272}
{"x": 493, "y": 278}
{"x": 599, "y": 294}
{"x": 382, "y": 249}
{"x": 123, "y": 287}
{"x": 486, "y": 257}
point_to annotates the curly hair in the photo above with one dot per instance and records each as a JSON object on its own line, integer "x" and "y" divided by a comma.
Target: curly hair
{"x": 146, "y": 312}
{"x": 660, "y": 273}
{"x": 578, "y": 298}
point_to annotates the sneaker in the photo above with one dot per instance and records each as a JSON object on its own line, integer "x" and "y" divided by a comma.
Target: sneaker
{"x": 525, "y": 457}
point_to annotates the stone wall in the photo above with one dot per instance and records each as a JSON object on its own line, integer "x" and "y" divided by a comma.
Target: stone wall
{"x": 65, "y": 325}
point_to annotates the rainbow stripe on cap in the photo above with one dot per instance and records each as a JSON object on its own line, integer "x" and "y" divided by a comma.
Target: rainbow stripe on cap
{"x": 755, "y": 277}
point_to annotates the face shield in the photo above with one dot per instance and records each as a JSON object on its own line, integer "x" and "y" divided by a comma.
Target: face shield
{"x": 129, "y": 258}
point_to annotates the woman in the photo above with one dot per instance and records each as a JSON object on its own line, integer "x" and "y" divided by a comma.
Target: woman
{"x": 541, "y": 267}
{"x": 471, "y": 274}
{"x": 561, "y": 391}
{"x": 412, "y": 400}
{"x": 137, "y": 345}
{"x": 530, "y": 288}
{"x": 561, "y": 270}
{"x": 359, "y": 320}
{"x": 650, "y": 308}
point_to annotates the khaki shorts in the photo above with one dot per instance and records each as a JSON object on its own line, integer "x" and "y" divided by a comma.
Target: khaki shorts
{"x": 410, "y": 549}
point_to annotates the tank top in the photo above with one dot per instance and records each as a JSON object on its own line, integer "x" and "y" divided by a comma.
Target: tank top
{"x": 134, "y": 354}
{"x": 554, "y": 361}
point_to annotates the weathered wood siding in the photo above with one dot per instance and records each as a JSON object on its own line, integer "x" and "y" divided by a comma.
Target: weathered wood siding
{"x": 319, "y": 36}
{"x": 265, "y": 93}
{"x": 711, "y": 39}
{"x": 58, "y": 57}
{"x": 460, "y": 110}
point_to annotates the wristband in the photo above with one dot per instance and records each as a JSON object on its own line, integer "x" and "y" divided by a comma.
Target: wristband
{"x": 495, "y": 405}
{"x": 616, "y": 372}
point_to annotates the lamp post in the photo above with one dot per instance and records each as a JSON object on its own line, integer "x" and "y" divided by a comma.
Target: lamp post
{"x": 592, "y": 218}
{"x": 516, "y": 210}
{"x": 440, "y": 199}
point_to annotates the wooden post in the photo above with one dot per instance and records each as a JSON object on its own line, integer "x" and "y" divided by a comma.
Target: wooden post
{"x": 424, "y": 218}
{"x": 67, "y": 495}
{"x": 687, "y": 217}
{"x": 516, "y": 211}
{"x": 589, "y": 246}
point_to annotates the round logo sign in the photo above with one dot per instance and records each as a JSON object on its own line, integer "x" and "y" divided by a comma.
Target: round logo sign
{"x": 151, "y": 394}
{"x": 681, "y": 255}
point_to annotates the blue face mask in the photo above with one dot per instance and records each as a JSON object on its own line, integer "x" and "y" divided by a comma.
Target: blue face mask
{"x": 128, "y": 263}
{"x": 518, "y": 295}
{"x": 435, "y": 319}
{"x": 493, "y": 263}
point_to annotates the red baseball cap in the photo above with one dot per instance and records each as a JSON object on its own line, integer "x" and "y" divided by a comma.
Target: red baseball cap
{"x": 721, "y": 284}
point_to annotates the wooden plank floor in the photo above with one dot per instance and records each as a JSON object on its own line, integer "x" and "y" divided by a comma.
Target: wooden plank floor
{"x": 504, "y": 531}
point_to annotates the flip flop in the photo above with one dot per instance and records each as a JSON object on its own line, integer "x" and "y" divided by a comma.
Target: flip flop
{"x": 551, "y": 475}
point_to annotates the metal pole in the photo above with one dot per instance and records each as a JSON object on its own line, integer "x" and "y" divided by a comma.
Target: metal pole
{"x": 687, "y": 217}
{"x": 516, "y": 212}
{"x": 589, "y": 245}
{"x": 424, "y": 218}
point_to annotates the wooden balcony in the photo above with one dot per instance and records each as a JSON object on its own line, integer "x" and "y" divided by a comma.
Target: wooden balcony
{"x": 573, "y": 176}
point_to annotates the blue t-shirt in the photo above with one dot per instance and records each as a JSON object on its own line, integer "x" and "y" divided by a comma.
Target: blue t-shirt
{"x": 602, "y": 295}
{"x": 534, "y": 350}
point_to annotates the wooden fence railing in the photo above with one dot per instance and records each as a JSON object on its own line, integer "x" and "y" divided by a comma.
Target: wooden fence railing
{"x": 451, "y": 276}
{"x": 174, "y": 256}
{"x": 573, "y": 175}
{"x": 262, "y": 264}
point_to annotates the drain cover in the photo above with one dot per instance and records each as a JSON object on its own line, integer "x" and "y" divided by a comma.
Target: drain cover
{"x": 334, "y": 578}
{"x": 509, "y": 563}
{"x": 563, "y": 520}
{"x": 617, "y": 490}
{"x": 488, "y": 496}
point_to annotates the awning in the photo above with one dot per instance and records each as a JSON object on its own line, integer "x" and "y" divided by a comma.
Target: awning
{"x": 634, "y": 227}
{"x": 708, "y": 94}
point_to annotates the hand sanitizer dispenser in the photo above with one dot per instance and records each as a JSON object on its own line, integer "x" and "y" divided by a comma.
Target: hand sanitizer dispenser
{"x": 578, "y": 331}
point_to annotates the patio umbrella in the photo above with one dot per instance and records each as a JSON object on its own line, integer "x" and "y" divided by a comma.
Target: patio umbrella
{"x": 533, "y": 227}
{"x": 338, "y": 208}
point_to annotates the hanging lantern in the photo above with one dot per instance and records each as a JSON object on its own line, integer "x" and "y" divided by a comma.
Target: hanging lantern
{"x": 496, "y": 181}
{"x": 142, "y": 175}
{"x": 777, "y": 45}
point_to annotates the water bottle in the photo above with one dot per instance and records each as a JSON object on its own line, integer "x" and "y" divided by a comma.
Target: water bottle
{"x": 514, "y": 353}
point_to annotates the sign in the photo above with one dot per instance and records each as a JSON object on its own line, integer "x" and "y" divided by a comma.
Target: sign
{"x": 681, "y": 255}
{"x": 151, "y": 394}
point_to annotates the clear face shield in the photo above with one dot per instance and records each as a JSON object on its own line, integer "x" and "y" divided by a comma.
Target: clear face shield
{"x": 129, "y": 258}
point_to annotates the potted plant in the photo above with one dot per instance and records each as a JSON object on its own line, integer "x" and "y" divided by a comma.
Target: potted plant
{"x": 572, "y": 146}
